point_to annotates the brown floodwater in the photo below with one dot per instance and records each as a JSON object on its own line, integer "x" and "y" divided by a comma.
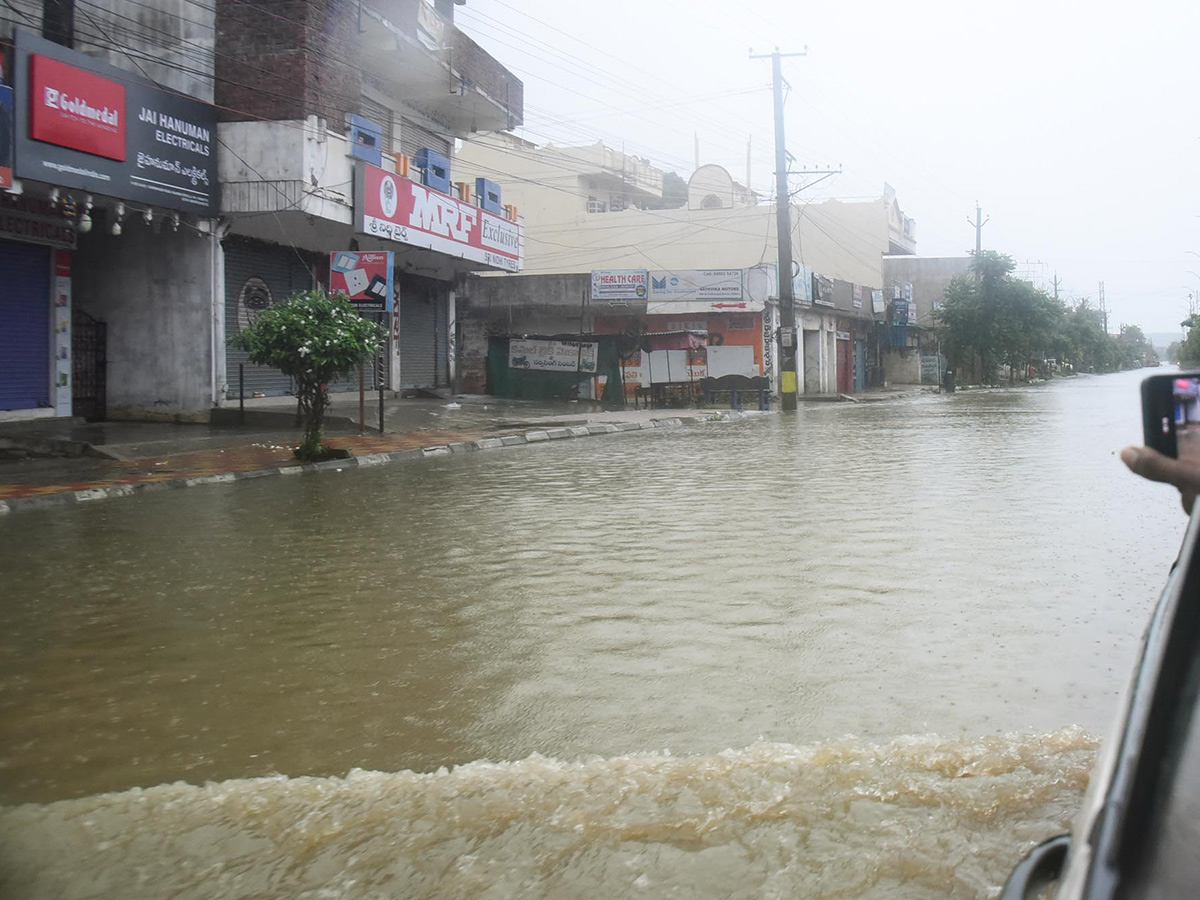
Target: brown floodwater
{"x": 868, "y": 650}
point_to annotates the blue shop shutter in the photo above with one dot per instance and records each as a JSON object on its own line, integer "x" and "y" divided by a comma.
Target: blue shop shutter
{"x": 24, "y": 326}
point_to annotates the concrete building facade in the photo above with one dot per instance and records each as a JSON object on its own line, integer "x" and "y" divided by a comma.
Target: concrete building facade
{"x": 247, "y": 132}
{"x": 107, "y": 230}
{"x": 317, "y": 108}
{"x": 919, "y": 283}
{"x": 719, "y": 225}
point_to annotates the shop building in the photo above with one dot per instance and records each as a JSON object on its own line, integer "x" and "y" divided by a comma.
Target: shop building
{"x": 107, "y": 233}
{"x": 337, "y": 136}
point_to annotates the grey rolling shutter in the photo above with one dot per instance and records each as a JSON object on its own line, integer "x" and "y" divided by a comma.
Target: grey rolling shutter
{"x": 419, "y": 301}
{"x": 257, "y": 276}
{"x": 24, "y": 326}
{"x": 413, "y": 137}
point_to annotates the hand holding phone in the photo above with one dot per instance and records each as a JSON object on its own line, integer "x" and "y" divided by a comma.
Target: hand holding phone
{"x": 1171, "y": 431}
{"x": 1171, "y": 414}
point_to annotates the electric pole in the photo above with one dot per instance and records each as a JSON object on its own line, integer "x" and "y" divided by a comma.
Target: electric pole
{"x": 783, "y": 229}
{"x": 1056, "y": 283}
{"x": 1103, "y": 311}
{"x": 979, "y": 222}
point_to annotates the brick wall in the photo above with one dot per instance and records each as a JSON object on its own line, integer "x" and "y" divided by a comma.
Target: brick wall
{"x": 287, "y": 59}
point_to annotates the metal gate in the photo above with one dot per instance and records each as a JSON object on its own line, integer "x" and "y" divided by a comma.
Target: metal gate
{"x": 24, "y": 326}
{"x": 89, "y": 367}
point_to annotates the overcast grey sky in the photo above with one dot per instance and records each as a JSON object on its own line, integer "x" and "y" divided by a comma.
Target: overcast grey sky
{"x": 1075, "y": 125}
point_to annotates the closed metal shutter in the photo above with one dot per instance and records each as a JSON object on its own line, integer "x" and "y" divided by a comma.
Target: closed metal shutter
{"x": 413, "y": 137}
{"x": 420, "y": 299}
{"x": 24, "y": 326}
{"x": 381, "y": 116}
{"x": 257, "y": 276}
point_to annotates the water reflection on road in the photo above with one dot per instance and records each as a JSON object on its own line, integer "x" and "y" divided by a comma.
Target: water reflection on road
{"x": 972, "y": 565}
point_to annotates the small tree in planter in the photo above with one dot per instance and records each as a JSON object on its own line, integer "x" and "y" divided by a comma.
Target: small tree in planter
{"x": 312, "y": 337}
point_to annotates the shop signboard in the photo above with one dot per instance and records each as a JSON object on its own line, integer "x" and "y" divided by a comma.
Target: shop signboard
{"x": 366, "y": 278}
{"x": 696, "y": 284}
{"x": 86, "y": 125}
{"x": 35, "y": 220}
{"x": 395, "y": 208}
{"x": 552, "y": 356}
{"x": 619, "y": 284}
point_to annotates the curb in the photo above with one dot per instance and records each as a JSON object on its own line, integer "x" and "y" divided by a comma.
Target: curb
{"x": 533, "y": 436}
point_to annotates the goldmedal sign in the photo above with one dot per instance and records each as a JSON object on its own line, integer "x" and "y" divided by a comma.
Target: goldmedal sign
{"x": 86, "y": 125}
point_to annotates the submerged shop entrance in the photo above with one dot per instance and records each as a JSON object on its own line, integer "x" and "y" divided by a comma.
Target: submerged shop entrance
{"x": 24, "y": 326}
{"x": 424, "y": 344}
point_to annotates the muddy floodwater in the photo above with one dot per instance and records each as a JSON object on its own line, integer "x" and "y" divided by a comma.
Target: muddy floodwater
{"x": 865, "y": 651}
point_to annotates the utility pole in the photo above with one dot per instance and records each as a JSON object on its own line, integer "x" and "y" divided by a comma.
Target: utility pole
{"x": 1056, "y": 283}
{"x": 783, "y": 228}
{"x": 1103, "y": 311}
{"x": 979, "y": 222}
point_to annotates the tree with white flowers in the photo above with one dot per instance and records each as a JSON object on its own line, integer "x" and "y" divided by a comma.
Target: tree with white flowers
{"x": 312, "y": 337}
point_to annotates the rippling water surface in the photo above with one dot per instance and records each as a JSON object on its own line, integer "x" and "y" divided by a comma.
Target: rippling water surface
{"x": 865, "y": 651}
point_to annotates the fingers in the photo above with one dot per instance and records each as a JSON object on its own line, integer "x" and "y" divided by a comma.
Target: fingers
{"x": 1154, "y": 466}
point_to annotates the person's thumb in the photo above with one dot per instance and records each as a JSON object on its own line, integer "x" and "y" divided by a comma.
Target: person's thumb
{"x": 1152, "y": 465}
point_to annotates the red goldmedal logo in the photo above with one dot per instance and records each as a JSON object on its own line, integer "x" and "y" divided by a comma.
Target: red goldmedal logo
{"x": 76, "y": 109}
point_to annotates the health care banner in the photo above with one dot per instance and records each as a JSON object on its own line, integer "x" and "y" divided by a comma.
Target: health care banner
{"x": 392, "y": 207}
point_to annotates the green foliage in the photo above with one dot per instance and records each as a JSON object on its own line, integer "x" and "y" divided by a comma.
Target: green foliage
{"x": 1189, "y": 350}
{"x": 989, "y": 319}
{"x": 312, "y": 337}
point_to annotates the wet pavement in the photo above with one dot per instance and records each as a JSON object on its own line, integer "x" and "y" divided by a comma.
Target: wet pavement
{"x": 150, "y": 453}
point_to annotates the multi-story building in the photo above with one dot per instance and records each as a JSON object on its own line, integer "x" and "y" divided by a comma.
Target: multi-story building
{"x": 108, "y": 239}
{"x": 340, "y": 120}
{"x": 698, "y": 237}
{"x": 179, "y": 166}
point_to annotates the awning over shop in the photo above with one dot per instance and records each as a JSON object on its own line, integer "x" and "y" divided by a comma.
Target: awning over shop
{"x": 674, "y": 340}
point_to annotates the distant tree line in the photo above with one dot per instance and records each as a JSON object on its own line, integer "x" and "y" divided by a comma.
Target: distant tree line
{"x": 1187, "y": 351}
{"x": 992, "y": 325}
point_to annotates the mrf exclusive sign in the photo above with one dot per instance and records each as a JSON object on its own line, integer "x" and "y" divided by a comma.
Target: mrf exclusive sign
{"x": 86, "y": 125}
{"x": 392, "y": 207}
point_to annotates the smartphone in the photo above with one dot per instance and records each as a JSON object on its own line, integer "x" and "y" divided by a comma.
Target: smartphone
{"x": 1171, "y": 414}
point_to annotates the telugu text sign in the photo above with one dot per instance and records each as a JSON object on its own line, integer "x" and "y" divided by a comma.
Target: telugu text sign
{"x": 619, "y": 284}
{"x": 397, "y": 209}
{"x": 552, "y": 356}
{"x": 83, "y": 124}
{"x": 696, "y": 284}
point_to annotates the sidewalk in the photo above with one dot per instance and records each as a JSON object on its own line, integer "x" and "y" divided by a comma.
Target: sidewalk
{"x": 148, "y": 455}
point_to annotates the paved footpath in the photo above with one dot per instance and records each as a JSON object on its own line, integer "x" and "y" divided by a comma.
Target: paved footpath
{"x": 150, "y": 457}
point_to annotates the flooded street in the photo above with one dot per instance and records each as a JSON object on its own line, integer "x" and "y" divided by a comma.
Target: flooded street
{"x": 863, "y": 651}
